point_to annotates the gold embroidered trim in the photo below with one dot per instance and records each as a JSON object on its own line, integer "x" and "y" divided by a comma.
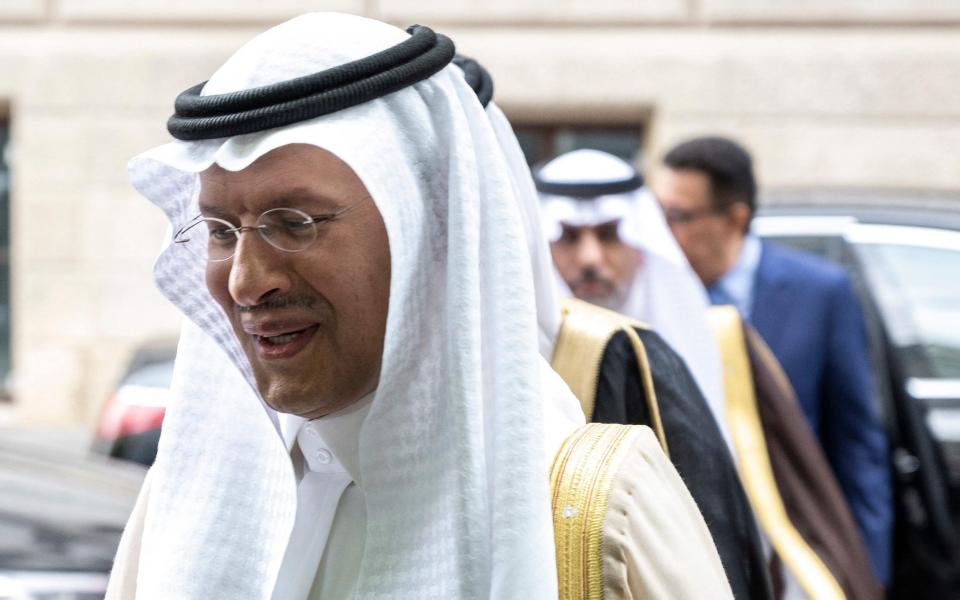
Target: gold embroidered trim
{"x": 646, "y": 376}
{"x": 584, "y": 334}
{"x": 754, "y": 461}
{"x": 580, "y": 481}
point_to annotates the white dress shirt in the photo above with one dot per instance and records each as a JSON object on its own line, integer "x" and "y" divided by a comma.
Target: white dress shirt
{"x": 331, "y": 511}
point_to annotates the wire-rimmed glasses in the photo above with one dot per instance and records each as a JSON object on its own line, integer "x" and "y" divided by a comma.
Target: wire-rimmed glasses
{"x": 212, "y": 239}
{"x": 679, "y": 216}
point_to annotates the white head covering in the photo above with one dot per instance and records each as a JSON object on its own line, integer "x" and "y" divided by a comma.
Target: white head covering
{"x": 665, "y": 293}
{"x": 565, "y": 407}
{"x": 544, "y": 282}
{"x": 453, "y": 455}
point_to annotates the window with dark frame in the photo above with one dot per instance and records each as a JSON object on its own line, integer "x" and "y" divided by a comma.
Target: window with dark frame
{"x": 541, "y": 142}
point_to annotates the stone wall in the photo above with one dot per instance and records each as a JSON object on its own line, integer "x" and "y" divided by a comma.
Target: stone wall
{"x": 855, "y": 94}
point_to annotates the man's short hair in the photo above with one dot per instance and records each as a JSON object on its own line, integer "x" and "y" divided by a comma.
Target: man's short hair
{"x": 726, "y": 164}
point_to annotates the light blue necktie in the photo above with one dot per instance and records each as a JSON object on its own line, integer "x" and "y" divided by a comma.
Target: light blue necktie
{"x": 719, "y": 296}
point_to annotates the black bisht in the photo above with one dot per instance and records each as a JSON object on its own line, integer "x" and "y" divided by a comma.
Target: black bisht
{"x": 697, "y": 450}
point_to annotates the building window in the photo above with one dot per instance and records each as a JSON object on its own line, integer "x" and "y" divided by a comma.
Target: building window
{"x": 4, "y": 259}
{"x": 541, "y": 142}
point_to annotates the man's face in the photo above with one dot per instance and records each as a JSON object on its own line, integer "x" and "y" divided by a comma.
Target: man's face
{"x": 595, "y": 263}
{"x": 311, "y": 323}
{"x": 708, "y": 238}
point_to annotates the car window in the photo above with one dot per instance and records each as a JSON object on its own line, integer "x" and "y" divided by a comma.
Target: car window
{"x": 826, "y": 246}
{"x": 917, "y": 289}
{"x": 155, "y": 374}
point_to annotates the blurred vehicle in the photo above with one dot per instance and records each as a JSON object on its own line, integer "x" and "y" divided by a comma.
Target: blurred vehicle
{"x": 903, "y": 253}
{"x": 61, "y": 517}
{"x": 129, "y": 426}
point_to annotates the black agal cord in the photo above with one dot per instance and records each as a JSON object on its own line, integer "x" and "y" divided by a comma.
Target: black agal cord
{"x": 477, "y": 77}
{"x": 199, "y": 117}
{"x": 586, "y": 189}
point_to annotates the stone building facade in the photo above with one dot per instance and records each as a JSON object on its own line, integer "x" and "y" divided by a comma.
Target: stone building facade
{"x": 849, "y": 94}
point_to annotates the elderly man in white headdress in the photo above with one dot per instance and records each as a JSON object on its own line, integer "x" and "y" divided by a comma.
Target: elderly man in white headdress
{"x": 611, "y": 247}
{"x": 359, "y": 408}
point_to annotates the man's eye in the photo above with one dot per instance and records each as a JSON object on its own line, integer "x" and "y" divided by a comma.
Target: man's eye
{"x": 568, "y": 236}
{"x": 608, "y": 234}
{"x": 298, "y": 228}
{"x": 295, "y": 224}
{"x": 676, "y": 216}
{"x": 221, "y": 234}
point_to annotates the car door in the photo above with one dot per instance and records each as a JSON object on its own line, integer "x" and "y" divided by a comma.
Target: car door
{"x": 909, "y": 281}
{"x": 912, "y": 275}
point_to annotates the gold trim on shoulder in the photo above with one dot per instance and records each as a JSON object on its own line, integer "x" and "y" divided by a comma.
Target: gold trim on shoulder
{"x": 646, "y": 376}
{"x": 584, "y": 334}
{"x": 754, "y": 461}
{"x": 580, "y": 481}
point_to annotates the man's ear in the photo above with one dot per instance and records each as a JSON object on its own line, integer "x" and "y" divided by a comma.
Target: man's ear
{"x": 739, "y": 216}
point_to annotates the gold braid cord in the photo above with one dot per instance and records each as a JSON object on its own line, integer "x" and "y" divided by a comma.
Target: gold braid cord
{"x": 584, "y": 334}
{"x": 754, "y": 461}
{"x": 580, "y": 481}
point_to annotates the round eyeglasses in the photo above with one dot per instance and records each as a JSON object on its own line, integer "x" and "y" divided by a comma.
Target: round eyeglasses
{"x": 287, "y": 229}
{"x": 678, "y": 216}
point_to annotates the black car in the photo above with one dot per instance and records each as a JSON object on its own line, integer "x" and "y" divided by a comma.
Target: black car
{"x": 61, "y": 517}
{"x": 904, "y": 255}
{"x": 129, "y": 424}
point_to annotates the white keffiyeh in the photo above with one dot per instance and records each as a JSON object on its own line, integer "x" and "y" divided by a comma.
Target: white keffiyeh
{"x": 665, "y": 293}
{"x": 544, "y": 282}
{"x": 453, "y": 453}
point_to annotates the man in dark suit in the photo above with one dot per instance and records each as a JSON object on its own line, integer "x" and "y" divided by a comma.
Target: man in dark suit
{"x": 804, "y": 308}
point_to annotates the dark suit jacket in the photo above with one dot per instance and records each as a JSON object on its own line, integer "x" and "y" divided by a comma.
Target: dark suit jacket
{"x": 805, "y": 309}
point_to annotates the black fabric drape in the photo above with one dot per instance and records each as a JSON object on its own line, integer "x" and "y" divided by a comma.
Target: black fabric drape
{"x": 697, "y": 450}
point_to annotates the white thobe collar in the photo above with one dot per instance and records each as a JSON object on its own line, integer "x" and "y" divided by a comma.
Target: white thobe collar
{"x": 329, "y": 449}
{"x": 339, "y": 431}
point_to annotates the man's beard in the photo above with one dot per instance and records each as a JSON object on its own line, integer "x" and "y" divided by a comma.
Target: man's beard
{"x": 604, "y": 291}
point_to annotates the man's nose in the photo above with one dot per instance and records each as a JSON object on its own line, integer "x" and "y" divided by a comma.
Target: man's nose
{"x": 589, "y": 250}
{"x": 258, "y": 270}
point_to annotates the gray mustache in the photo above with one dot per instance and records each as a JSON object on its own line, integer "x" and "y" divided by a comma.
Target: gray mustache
{"x": 278, "y": 303}
{"x": 590, "y": 275}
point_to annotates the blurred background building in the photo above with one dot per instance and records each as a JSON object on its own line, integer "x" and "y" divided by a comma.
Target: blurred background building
{"x": 855, "y": 94}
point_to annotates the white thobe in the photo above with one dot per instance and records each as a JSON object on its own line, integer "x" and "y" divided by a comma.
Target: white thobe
{"x": 331, "y": 510}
